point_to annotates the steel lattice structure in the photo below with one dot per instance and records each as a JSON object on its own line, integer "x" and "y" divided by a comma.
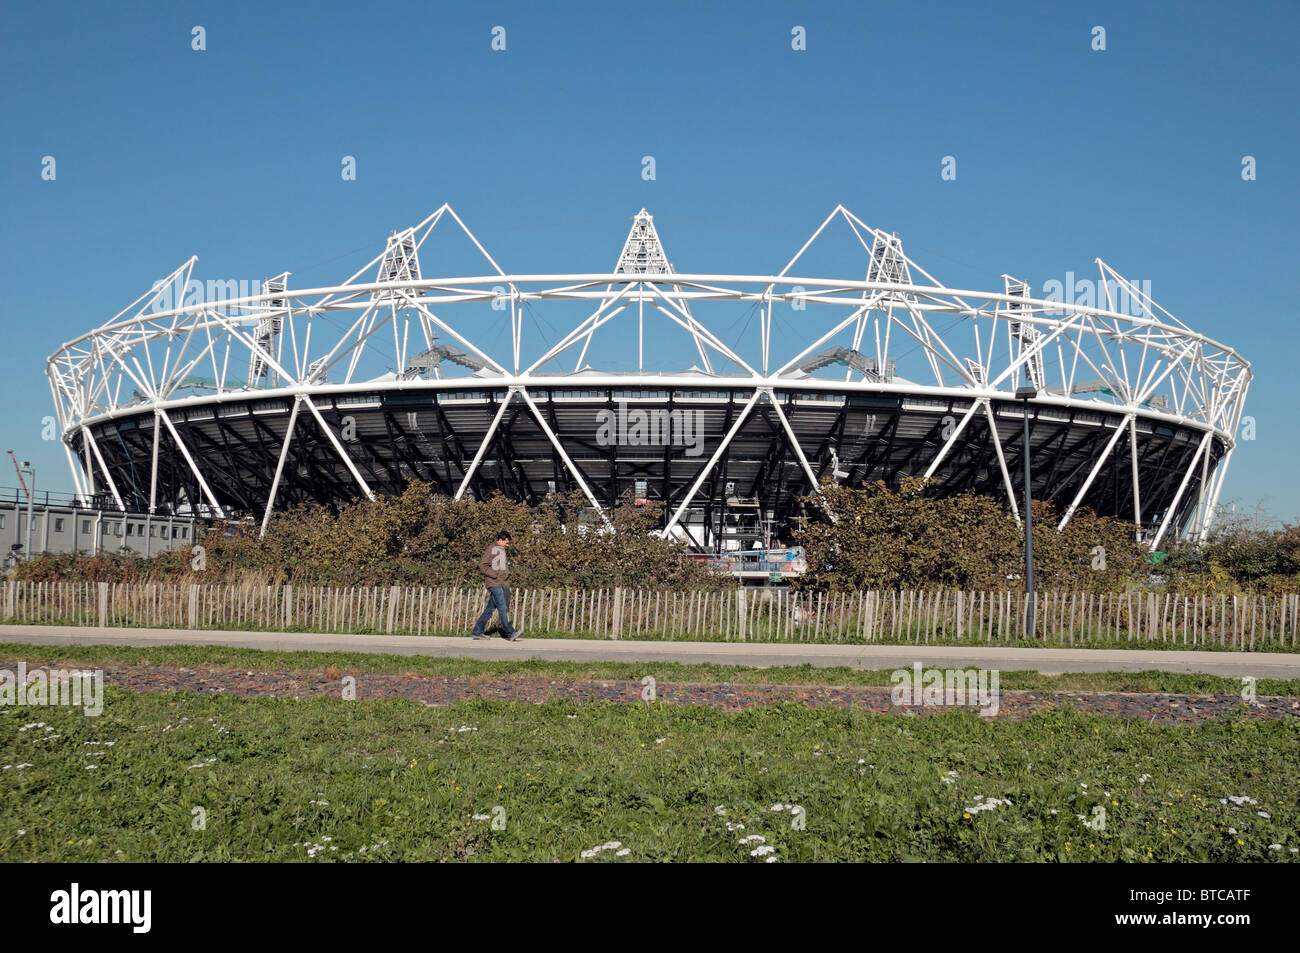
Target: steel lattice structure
{"x": 1136, "y": 414}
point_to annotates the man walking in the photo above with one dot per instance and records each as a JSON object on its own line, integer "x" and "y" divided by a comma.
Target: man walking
{"x": 496, "y": 572}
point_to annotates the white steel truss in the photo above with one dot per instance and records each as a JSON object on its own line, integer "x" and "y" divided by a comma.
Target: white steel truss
{"x": 896, "y": 330}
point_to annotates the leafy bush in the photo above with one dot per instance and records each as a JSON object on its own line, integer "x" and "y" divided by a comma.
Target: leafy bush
{"x": 910, "y": 539}
{"x": 880, "y": 539}
{"x": 414, "y": 539}
{"x": 1238, "y": 556}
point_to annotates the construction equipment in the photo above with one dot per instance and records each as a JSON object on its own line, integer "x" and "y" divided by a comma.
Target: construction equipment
{"x": 29, "y": 490}
{"x": 21, "y": 481}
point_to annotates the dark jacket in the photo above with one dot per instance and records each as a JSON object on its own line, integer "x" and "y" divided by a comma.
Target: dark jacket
{"x": 493, "y": 565}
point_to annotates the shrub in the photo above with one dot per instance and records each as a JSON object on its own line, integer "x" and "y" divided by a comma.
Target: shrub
{"x": 414, "y": 539}
{"x": 907, "y": 539}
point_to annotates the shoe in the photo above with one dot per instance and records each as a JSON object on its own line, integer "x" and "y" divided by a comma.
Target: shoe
{"x": 480, "y": 636}
{"x": 514, "y": 636}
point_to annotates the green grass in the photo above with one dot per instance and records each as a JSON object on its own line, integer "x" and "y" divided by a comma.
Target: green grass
{"x": 193, "y": 656}
{"x": 277, "y": 776}
{"x": 758, "y": 636}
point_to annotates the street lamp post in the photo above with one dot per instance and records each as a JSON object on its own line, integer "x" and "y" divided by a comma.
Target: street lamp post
{"x": 1025, "y": 393}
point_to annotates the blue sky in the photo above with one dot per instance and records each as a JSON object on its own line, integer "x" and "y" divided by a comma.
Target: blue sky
{"x": 1063, "y": 154}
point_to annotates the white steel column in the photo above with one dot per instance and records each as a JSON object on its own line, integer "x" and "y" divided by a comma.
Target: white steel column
{"x": 108, "y": 477}
{"x": 1002, "y": 461}
{"x": 1220, "y": 474}
{"x": 482, "y": 447}
{"x": 153, "y": 468}
{"x": 943, "y": 451}
{"x": 713, "y": 461}
{"x": 279, "y": 467}
{"x": 1202, "y": 493}
{"x": 203, "y": 484}
{"x": 1101, "y": 461}
{"x": 78, "y": 471}
{"x": 794, "y": 442}
{"x": 568, "y": 464}
{"x": 338, "y": 448}
{"x": 61, "y": 417}
{"x": 1182, "y": 487}
{"x": 1137, "y": 492}
{"x": 89, "y": 465}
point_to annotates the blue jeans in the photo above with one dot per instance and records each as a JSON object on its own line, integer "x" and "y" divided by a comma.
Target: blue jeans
{"x": 499, "y": 602}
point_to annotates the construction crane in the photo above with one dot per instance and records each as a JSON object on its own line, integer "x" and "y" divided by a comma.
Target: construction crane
{"x": 21, "y": 481}
{"x": 27, "y": 549}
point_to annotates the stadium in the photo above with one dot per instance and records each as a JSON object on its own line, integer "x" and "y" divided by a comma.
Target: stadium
{"x": 633, "y": 384}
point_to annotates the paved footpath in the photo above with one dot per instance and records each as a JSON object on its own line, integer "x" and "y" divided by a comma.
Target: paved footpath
{"x": 762, "y": 655}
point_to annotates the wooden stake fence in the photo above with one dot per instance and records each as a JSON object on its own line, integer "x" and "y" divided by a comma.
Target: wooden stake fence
{"x": 1251, "y": 621}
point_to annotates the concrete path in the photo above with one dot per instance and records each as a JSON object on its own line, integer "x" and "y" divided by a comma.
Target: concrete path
{"x": 1231, "y": 664}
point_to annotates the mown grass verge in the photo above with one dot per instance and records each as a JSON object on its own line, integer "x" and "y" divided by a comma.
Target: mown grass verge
{"x": 195, "y": 656}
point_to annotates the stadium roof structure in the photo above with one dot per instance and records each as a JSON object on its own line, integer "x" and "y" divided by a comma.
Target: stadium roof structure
{"x": 243, "y": 405}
